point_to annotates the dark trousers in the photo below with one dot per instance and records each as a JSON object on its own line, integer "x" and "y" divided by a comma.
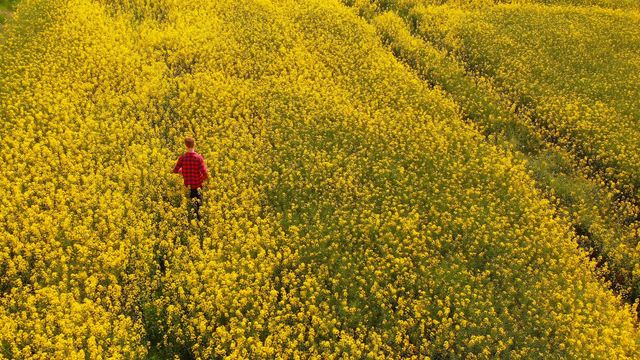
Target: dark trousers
{"x": 195, "y": 198}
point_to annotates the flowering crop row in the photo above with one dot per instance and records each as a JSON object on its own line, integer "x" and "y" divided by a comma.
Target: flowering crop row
{"x": 575, "y": 68}
{"x": 351, "y": 213}
{"x": 600, "y": 219}
{"x": 406, "y": 5}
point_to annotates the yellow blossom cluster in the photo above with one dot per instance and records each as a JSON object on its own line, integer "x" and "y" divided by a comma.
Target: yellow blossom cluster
{"x": 351, "y": 213}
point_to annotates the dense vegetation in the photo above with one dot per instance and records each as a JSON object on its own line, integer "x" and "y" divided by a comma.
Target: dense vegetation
{"x": 522, "y": 101}
{"x": 389, "y": 180}
{"x": 5, "y": 9}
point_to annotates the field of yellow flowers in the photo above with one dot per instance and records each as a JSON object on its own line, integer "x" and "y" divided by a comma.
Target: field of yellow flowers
{"x": 354, "y": 211}
{"x": 576, "y": 69}
{"x": 603, "y": 210}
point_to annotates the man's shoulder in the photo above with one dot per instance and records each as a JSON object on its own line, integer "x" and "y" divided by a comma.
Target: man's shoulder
{"x": 193, "y": 154}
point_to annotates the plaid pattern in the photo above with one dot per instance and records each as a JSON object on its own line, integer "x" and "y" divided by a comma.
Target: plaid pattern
{"x": 191, "y": 166}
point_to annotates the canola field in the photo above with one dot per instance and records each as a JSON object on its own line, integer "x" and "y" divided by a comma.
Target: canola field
{"x": 556, "y": 84}
{"x": 564, "y": 54}
{"x": 390, "y": 179}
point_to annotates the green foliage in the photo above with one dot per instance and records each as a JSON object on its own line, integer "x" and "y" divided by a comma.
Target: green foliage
{"x": 8, "y": 4}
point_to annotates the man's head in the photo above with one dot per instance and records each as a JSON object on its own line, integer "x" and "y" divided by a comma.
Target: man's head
{"x": 189, "y": 143}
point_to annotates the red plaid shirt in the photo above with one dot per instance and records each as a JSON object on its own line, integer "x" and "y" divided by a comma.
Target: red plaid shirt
{"x": 191, "y": 166}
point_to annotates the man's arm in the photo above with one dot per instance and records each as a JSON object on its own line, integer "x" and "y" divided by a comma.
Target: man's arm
{"x": 178, "y": 167}
{"x": 203, "y": 170}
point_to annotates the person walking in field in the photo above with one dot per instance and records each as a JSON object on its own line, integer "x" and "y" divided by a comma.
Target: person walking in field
{"x": 194, "y": 171}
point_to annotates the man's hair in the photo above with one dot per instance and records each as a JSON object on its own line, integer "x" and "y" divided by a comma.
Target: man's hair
{"x": 189, "y": 142}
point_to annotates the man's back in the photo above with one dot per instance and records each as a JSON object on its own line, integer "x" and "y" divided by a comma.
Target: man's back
{"x": 193, "y": 169}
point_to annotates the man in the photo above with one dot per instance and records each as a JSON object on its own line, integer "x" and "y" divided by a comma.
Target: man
{"x": 194, "y": 171}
